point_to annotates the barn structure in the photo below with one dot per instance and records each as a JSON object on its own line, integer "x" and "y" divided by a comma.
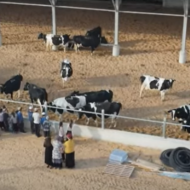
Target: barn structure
{"x": 117, "y": 9}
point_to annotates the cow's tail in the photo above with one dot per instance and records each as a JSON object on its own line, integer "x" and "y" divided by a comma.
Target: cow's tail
{"x": 142, "y": 78}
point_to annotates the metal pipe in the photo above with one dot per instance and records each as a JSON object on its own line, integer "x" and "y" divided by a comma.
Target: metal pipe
{"x": 164, "y": 127}
{"x": 102, "y": 119}
{"x": 27, "y": 4}
{"x": 182, "y": 53}
{"x": 54, "y": 27}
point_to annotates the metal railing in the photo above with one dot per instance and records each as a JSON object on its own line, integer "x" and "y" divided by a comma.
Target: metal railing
{"x": 102, "y": 113}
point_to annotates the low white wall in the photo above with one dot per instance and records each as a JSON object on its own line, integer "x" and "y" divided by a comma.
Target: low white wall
{"x": 123, "y": 137}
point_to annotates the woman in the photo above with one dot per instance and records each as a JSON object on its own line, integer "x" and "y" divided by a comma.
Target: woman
{"x": 57, "y": 153}
{"x": 48, "y": 152}
{"x": 13, "y": 122}
{"x": 61, "y": 132}
{"x": 69, "y": 152}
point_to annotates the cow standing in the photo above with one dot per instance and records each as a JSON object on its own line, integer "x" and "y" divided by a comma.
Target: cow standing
{"x": 47, "y": 39}
{"x": 97, "y": 31}
{"x": 154, "y": 83}
{"x": 12, "y": 85}
{"x": 66, "y": 70}
{"x": 111, "y": 108}
{"x": 37, "y": 94}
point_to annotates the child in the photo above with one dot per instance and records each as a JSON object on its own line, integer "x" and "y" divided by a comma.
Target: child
{"x": 13, "y": 122}
{"x": 69, "y": 130}
{"x": 61, "y": 132}
{"x": 46, "y": 127}
{"x": 48, "y": 152}
{"x": 30, "y": 118}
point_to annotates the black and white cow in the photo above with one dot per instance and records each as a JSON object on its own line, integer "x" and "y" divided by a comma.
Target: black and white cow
{"x": 47, "y": 39}
{"x": 12, "y": 85}
{"x": 66, "y": 104}
{"x": 86, "y": 41}
{"x": 66, "y": 70}
{"x": 181, "y": 113}
{"x": 154, "y": 83}
{"x": 111, "y": 108}
{"x": 97, "y": 31}
{"x": 95, "y": 96}
{"x": 186, "y": 125}
{"x": 36, "y": 94}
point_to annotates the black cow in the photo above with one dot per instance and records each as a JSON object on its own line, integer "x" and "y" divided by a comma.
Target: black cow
{"x": 66, "y": 70}
{"x": 154, "y": 83}
{"x": 86, "y": 41}
{"x": 97, "y": 31}
{"x": 95, "y": 96}
{"x": 61, "y": 40}
{"x": 36, "y": 94}
{"x": 181, "y": 113}
{"x": 12, "y": 85}
{"x": 186, "y": 125}
{"x": 111, "y": 108}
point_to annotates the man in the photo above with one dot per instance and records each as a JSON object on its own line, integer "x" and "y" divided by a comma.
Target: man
{"x": 30, "y": 118}
{"x": 46, "y": 127}
{"x": 43, "y": 118}
{"x": 20, "y": 120}
{"x": 36, "y": 119}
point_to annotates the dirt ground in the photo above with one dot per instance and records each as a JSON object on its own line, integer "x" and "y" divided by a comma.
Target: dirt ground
{"x": 149, "y": 45}
{"x": 22, "y": 167}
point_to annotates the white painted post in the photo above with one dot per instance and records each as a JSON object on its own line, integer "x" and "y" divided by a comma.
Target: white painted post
{"x": 164, "y": 127}
{"x": 116, "y": 48}
{"x": 183, "y": 53}
{"x": 102, "y": 119}
{"x": 54, "y": 27}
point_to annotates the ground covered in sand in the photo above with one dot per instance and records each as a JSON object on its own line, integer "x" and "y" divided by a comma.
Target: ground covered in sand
{"x": 149, "y": 45}
{"x": 22, "y": 167}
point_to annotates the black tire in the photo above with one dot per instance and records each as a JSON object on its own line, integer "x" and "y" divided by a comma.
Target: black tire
{"x": 180, "y": 159}
{"x": 164, "y": 157}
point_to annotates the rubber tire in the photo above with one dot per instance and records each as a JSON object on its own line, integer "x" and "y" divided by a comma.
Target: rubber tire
{"x": 164, "y": 157}
{"x": 180, "y": 159}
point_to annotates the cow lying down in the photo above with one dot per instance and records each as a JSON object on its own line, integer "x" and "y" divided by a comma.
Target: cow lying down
{"x": 111, "y": 108}
{"x": 154, "y": 83}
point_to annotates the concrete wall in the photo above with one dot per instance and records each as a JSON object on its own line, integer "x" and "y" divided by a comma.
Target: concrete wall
{"x": 123, "y": 137}
{"x": 174, "y": 3}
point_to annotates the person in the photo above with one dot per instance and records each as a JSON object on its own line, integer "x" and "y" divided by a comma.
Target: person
{"x": 30, "y": 118}
{"x": 20, "y": 120}
{"x": 61, "y": 132}
{"x": 69, "y": 152}
{"x": 43, "y": 118}
{"x": 1, "y": 119}
{"x": 13, "y": 122}
{"x": 57, "y": 153}
{"x": 48, "y": 152}
{"x": 69, "y": 129}
{"x": 6, "y": 119}
{"x": 46, "y": 127}
{"x": 36, "y": 118}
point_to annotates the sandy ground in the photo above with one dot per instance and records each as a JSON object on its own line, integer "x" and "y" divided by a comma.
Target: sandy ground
{"x": 22, "y": 167}
{"x": 149, "y": 45}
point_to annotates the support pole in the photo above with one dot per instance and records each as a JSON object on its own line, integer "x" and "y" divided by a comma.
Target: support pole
{"x": 116, "y": 48}
{"x": 102, "y": 120}
{"x": 183, "y": 53}
{"x": 0, "y": 39}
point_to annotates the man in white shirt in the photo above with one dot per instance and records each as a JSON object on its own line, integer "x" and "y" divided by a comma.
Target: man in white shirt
{"x": 36, "y": 120}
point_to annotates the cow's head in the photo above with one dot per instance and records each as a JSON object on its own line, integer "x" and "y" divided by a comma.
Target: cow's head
{"x": 26, "y": 86}
{"x": 173, "y": 113}
{"x": 171, "y": 82}
{"x": 41, "y": 36}
{"x": 72, "y": 100}
{"x": 104, "y": 40}
{"x": 1, "y": 88}
{"x": 178, "y": 113}
{"x": 66, "y": 38}
{"x": 74, "y": 93}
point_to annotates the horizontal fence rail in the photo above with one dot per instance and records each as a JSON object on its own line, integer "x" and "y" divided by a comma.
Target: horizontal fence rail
{"x": 163, "y": 123}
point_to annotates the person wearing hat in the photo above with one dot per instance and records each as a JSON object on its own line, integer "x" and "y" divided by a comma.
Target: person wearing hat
{"x": 30, "y": 118}
{"x": 43, "y": 118}
{"x": 36, "y": 118}
{"x": 46, "y": 127}
{"x": 69, "y": 151}
{"x": 20, "y": 120}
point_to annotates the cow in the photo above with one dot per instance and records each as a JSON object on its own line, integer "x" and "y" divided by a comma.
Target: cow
{"x": 186, "y": 125}
{"x": 111, "y": 108}
{"x": 47, "y": 39}
{"x": 12, "y": 85}
{"x": 61, "y": 41}
{"x": 86, "y": 41}
{"x": 66, "y": 70}
{"x": 181, "y": 113}
{"x": 95, "y": 96}
{"x": 97, "y": 31}
{"x": 154, "y": 83}
{"x": 36, "y": 94}
{"x": 65, "y": 104}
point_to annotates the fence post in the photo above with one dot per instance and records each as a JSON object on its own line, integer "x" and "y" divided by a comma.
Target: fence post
{"x": 102, "y": 119}
{"x": 164, "y": 127}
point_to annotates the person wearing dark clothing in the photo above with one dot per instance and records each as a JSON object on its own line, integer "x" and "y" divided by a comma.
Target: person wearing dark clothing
{"x": 20, "y": 120}
{"x": 30, "y": 118}
{"x": 6, "y": 120}
{"x": 48, "y": 152}
{"x": 46, "y": 127}
{"x": 13, "y": 122}
{"x": 1, "y": 119}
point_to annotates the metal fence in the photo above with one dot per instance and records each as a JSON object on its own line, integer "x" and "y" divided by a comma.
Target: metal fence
{"x": 164, "y": 123}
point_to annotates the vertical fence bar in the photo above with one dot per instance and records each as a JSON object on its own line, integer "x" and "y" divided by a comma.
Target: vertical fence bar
{"x": 102, "y": 119}
{"x": 164, "y": 127}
